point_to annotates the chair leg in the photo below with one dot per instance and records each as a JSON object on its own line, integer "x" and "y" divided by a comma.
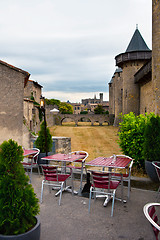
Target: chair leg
{"x": 60, "y": 197}
{"x": 90, "y": 194}
{"x": 129, "y": 188}
{"x": 42, "y": 191}
{"x": 113, "y": 203}
{"x": 81, "y": 178}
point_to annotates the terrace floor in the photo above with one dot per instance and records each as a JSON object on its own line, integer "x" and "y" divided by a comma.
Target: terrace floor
{"x": 71, "y": 220}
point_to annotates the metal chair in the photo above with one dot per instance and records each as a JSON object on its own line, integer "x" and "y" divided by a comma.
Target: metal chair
{"x": 157, "y": 167}
{"x": 150, "y": 212}
{"x": 30, "y": 162}
{"x": 127, "y": 174}
{"x": 103, "y": 185}
{"x": 79, "y": 165}
{"x": 54, "y": 178}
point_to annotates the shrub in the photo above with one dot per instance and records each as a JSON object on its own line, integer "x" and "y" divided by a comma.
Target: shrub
{"x": 18, "y": 202}
{"x": 40, "y": 141}
{"x": 151, "y": 146}
{"x": 131, "y": 136}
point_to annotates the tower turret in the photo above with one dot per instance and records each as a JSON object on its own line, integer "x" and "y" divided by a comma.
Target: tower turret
{"x": 136, "y": 55}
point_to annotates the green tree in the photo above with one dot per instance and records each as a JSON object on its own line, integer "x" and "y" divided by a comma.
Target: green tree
{"x": 151, "y": 146}
{"x": 65, "y": 108}
{"x": 131, "y": 136}
{"x": 40, "y": 141}
{"x": 18, "y": 202}
{"x": 99, "y": 110}
{"x": 52, "y": 102}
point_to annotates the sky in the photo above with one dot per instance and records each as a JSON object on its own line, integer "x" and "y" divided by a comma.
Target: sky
{"x": 69, "y": 46}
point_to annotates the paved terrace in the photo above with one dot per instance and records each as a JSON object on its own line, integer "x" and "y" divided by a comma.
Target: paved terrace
{"x": 71, "y": 220}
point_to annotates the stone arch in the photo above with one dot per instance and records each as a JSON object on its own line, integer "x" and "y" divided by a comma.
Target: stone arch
{"x": 66, "y": 117}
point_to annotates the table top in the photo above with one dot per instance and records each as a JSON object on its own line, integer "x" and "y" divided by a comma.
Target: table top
{"x": 28, "y": 152}
{"x": 59, "y": 157}
{"x": 120, "y": 162}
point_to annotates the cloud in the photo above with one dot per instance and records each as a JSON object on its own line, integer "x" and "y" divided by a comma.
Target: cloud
{"x": 70, "y": 46}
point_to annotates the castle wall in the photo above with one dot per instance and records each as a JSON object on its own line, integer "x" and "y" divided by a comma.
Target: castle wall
{"x": 118, "y": 81}
{"x": 146, "y": 95}
{"x": 111, "y": 97}
{"x": 156, "y": 55}
{"x": 131, "y": 92}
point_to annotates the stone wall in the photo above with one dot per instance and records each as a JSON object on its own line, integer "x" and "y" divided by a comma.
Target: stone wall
{"x": 146, "y": 95}
{"x": 62, "y": 144}
{"x": 156, "y": 54}
{"x": 11, "y": 107}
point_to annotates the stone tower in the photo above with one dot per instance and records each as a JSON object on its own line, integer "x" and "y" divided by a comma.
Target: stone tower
{"x": 136, "y": 55}
{"x": 156, "y": 55}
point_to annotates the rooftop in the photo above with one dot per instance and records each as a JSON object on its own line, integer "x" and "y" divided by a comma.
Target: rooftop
{"x": 137, "y": 43}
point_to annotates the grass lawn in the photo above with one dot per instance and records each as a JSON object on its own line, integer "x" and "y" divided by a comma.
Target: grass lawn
{"x": 96, "y": 140}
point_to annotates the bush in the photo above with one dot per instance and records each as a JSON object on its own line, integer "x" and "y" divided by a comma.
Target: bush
{"x": 151, "y": 146}
{"x": 40, "y": 141}
{"x": 131, "y": 136}
{"x": 18, "y": 202}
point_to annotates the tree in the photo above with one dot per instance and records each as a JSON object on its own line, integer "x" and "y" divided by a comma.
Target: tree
{"x": 99, "y": 110}
{"x": 18, "y": 202}
{"x": 40, "y": 141}
{"x": 65, "y": 108}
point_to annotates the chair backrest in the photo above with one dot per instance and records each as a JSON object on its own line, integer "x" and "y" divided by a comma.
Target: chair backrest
{"x": 83, "y": 153}
{"x": 157, "y": 167}
{"x": 127, "y": 157}
{"x": 150, "y": 212}
{"x": 50, "y": 172}
{"x": 100, "y": 179}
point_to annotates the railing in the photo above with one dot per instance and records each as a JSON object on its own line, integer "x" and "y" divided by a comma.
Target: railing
{"x": 131, "y": 56}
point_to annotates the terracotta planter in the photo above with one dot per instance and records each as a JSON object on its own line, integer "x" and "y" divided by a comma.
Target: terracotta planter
{"x": 151, "y": 171}
{"x": 33, "y": 234}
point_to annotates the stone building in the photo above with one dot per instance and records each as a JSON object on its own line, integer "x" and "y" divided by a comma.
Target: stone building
{"x": 12, "y": 83}
{"x": 32, "y": 94}
{"x": 135, "y": 85}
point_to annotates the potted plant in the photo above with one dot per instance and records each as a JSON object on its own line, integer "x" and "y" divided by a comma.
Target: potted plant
{"x": 18, "y": 203}
{"x": 44, "y": 137}
{"x": 151, "y": 147}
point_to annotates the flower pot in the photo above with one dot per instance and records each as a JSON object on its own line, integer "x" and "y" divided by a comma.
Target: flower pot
{"x": 33, "y": 234}
{"x": 42, "y": 155}
{"x": 151, "y": 171}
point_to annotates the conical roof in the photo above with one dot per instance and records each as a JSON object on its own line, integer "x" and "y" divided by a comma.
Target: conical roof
{"x": 137, "y": 43}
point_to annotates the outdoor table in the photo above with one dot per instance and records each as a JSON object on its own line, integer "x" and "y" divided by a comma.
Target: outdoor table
{"x": 27, "y": 152}
{"x": 110, "y": 163}
{"x": 64, "y": 158}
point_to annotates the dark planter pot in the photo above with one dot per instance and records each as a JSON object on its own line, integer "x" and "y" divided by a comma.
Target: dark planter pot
{"x": 151, "y": 171}
{"x": 42, "y": 155}
{"x": 33, "y": 234}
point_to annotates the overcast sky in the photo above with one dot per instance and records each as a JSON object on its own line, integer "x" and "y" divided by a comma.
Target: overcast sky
{"x": 69, "y": 46}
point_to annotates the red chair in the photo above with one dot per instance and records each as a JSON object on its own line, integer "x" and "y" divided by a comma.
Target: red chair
{"x": 79, "y": 165}
{"x": 104, "y": 186}
{"x": 127, "y": 174}
{"x": 54, "y": 178}
{"x": 31, "y": 162}
{"x": 150, "y": 212}
{"x": 157, "y": 167}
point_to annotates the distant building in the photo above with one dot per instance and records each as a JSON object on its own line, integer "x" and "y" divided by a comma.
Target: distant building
{"x": 77, "y": 107}
{"x": 93, "y": 100}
